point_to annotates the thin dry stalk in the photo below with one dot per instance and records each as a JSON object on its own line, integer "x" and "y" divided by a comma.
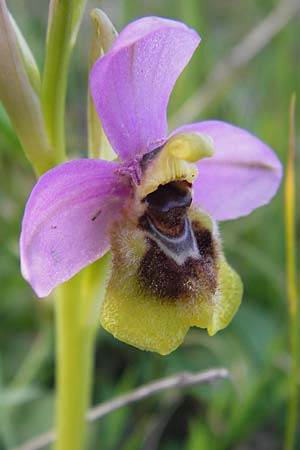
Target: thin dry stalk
{"x": 227, "y": 70}
{"x": 179, "y": 381}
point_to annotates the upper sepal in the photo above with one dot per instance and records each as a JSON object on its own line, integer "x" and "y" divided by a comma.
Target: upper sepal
{"x": 131, "y": 84}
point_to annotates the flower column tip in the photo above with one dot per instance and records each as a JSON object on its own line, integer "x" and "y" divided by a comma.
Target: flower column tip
{"x": 191, "y": 146}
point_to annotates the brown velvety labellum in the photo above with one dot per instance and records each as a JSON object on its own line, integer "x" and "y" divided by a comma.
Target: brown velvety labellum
{"x": 180, "y": 260}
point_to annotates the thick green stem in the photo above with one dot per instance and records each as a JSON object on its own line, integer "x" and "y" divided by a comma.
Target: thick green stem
{"x": 77, "y": 311}
{"x": 76, "y": 300}
{"x": 74, "y": 364}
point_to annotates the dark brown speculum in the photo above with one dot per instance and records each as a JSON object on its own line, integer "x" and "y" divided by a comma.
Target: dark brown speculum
{"x": 167, "y": 207}
{"x": 180, "y": 260}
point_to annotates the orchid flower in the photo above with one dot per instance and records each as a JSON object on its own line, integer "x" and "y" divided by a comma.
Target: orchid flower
{"x": 157, "y": 207}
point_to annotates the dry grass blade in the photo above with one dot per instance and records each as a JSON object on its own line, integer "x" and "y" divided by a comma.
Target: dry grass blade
{"x": 180, "y": 380}
{"x": 292, "y": 291}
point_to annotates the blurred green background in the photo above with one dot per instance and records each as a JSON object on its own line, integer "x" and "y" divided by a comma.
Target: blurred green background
{"x": 247, "y": 413}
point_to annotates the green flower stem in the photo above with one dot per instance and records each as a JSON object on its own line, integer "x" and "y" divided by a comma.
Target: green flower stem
{"x": 77, "y": 305}
{"x": 74, "y": 362}
{"x": 76, "y": 300}
{"x": 64, "y": 20}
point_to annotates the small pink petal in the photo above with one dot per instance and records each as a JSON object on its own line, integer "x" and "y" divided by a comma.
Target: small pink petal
{"x": 132, "y": 83}
{"x": 243, "y": 174}
{"x": 66, "y": 221}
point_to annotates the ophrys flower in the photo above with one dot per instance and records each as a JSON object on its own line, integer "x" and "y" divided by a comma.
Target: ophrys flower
{"x": 157, "y": 208}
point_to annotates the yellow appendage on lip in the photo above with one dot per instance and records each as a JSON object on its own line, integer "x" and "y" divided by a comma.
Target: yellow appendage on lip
{"x": 176, "y": 161}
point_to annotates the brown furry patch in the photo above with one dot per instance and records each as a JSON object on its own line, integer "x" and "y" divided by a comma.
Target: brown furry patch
{"x": 169, "y": 281}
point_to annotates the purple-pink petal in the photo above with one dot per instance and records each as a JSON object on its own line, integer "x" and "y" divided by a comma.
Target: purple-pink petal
{"x": 243, "y": 174}
{"x": 132, "y": 83}
{"x": 66, "y": 221}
